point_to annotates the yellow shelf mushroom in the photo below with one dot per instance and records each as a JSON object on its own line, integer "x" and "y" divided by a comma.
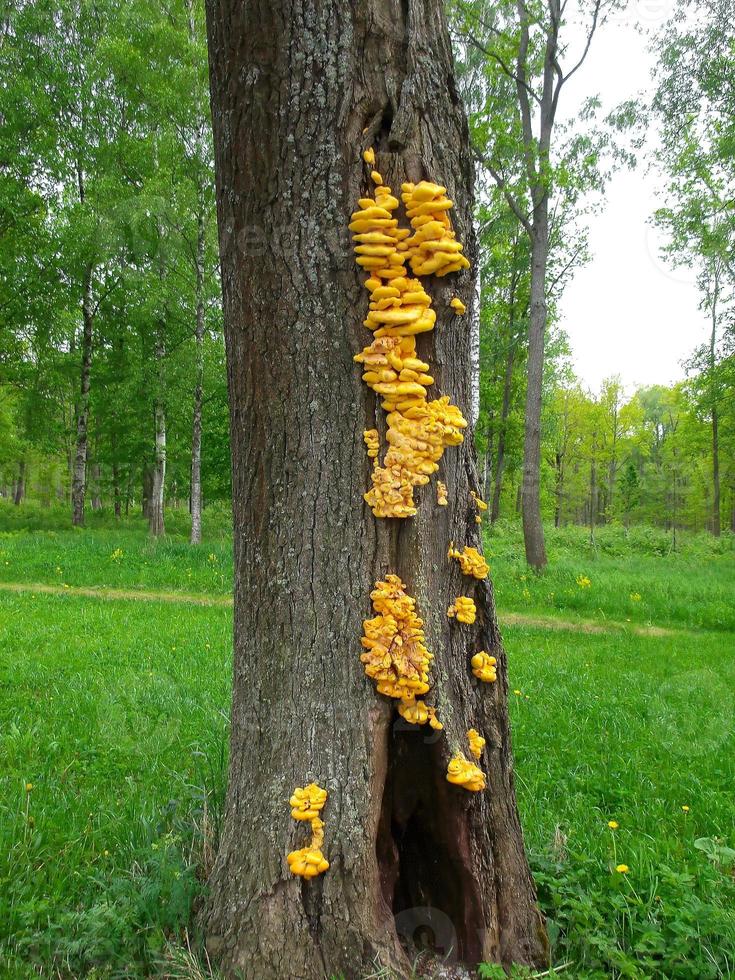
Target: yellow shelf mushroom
{"x": 441, "y": 494}
{"x": 484, "y": 667}
{"x": 470, "y": 561}
{"x": 462, "y": 772}
{"x": 464, "y": 609}
{"x": 476, "y": 742}
{"x": 419, "y": 430}
{"x": 458, "y": 306}
{"x": 307, "y": 804}
{"x": 395, "y": 656}
{"x": 418, "y": 713}
{"x": 372, "y": 441}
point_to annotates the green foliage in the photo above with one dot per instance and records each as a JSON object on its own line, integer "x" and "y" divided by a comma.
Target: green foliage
{"x": 107, "y": 204}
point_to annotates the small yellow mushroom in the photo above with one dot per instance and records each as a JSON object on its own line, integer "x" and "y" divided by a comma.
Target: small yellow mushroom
{"x": 441, "y": 493}
{"x": 476, "y": 742}
{"x": 372, "y": 441}
{"x": 369, "y": 156}
{"x": 484, "y": 667}
{"x": 308, "y": 862}
{"x": 464, "y": 609}
{"x": 375, "y": 177}
{"x": 466, "y": 774}
{"x": 306, "y": 803}
{"x": 458, "y": 306}
{"x": 470, "y": 561}
{"x": 480, "y": 504}
{"x": 418, "y": 713}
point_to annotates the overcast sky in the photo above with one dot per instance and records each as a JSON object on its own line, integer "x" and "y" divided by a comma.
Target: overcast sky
{"x": 627, "y": 312}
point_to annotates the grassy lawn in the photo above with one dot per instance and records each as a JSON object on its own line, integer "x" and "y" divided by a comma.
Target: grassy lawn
{"x": 115, "y": 712}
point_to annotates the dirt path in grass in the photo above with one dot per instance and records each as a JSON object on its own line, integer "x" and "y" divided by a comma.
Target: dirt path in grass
{"x": 193, "y": 599}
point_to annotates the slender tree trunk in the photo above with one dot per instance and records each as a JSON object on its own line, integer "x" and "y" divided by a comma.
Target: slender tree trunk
{"x": 20, "y": 486}
{"x": 504, "y": 412}
{"x": 593, "y": 489}
{"x": 146, "y": 491}
{"x": 196, "y": 435}
{"x": 533, "y": 530}
{"x": 406, "y": 848}
{"x": 79, "y": 472}
{"x": 96, "y": 480}
{"x": 716, "y": 526}
{"x": 559, "y": 488}
{"x": 156, "y": 523}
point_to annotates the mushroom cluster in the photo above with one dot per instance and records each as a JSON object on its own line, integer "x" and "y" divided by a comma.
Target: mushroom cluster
{"x": 476, "y": 742}
{"x": 470, "y": 561}
{"x": 307, "y": 804}
{"x": 466, "y": 774}
{"x": 395, "y": 656}
{"x": 433, "y": 247}
{"x": 464, "y": 609}
{"x": 441, "y": 494}
{"x": 418, "y": 430}
{"x": 484, "y": 667}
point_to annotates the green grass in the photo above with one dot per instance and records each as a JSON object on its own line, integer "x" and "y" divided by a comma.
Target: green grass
{"x": 633, "y": 577}
{"x": 116, "y": 712}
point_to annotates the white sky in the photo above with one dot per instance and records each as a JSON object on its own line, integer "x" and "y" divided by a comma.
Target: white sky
{"x": 627, "y": 312}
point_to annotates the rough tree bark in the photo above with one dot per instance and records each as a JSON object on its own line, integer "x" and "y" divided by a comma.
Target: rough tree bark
{"x": 196, "y": 433}
{"x": 299, "y": 89}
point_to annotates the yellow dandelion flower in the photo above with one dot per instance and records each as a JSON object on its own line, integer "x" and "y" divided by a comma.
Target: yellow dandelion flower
{"x": 613, "y": 824}
{"x": 685, "y": 808}
{"x": 622, "y": 869}
{"x": 29, "y": 787}
{"x": 517, "y": 692}
{"x": 583, "y": 582}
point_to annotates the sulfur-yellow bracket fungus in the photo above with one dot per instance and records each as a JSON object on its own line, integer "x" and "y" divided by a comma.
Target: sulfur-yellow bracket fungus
{"x": 464, "y": 609}
{"x": 395, "y": 656}
{"x": 476, "y": 742}
{"x": 466, "y": 774}
{"x": 372, "y": 441}
{"x": 458, "y": 306}
{"x": 418, "y": 713}
{"x": 480, "y": 504}
{"x": 418, "y": 430}
{"x": 484, "y": 667}
{"x": 470, "y": 561}
{"x": 307, "y": 804}
{"x": 441, "y": 494}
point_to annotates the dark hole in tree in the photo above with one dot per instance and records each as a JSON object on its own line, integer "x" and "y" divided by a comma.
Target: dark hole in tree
{"x": 423, "y": 850}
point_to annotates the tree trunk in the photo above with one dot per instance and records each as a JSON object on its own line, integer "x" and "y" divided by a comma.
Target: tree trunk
{"x": 196, "y": 434}
{"x": 533, "y": 530}
{"x": 96, "y": 481}
{"x": 716, "y": 527}
{"x": 558, "y": 488}
{"x": 504, "y": 412}
{"x": 298, "y": 91}
{"x": 79, "y": 473}
{"x": 20, "y": 486}
{"x": 146, "y": 491}
{"x": 156, "y": 523}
